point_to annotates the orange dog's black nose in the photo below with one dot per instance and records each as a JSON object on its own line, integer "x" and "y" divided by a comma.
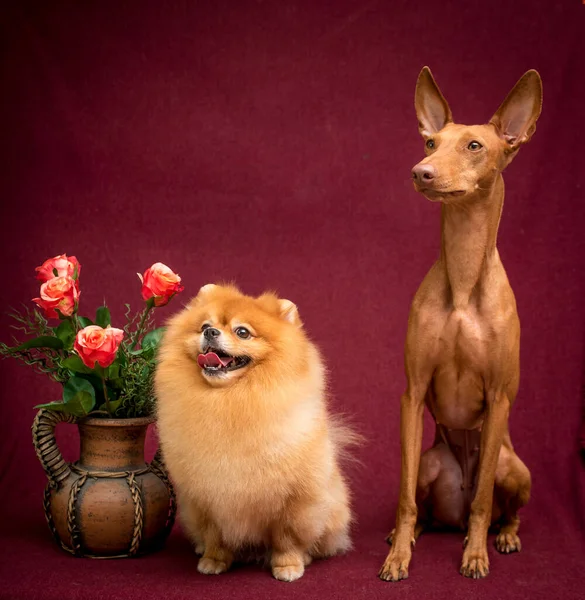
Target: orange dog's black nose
{"x": 422, "y": 173}
{"x": 210, "y": 333}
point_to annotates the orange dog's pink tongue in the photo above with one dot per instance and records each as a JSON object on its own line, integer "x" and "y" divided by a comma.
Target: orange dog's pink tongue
{"x": 211, "y": 359}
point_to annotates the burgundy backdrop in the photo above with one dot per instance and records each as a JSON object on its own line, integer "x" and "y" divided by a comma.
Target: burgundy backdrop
{"x": 271, "y": 143}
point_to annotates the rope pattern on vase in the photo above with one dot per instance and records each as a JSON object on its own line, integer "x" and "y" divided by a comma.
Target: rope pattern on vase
{"x": 138, "y": 514}
{"x": 71, "y": 516}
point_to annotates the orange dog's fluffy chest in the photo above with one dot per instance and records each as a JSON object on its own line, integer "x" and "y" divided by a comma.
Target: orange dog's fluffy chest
{"x": 244, "y": 468}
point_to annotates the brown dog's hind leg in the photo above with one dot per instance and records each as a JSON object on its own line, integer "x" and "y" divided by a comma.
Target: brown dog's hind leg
{"x": 439, "y": 498}
{"x": 512, "y": 492}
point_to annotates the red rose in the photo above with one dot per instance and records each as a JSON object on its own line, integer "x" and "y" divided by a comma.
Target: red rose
{"x": 94, "y": 344}
{"x": 58, "y": 293}
{"x": 159, "y": 282}
{"x": 64, "y": 266}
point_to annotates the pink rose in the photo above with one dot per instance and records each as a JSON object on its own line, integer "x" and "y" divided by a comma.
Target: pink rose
{"x": 58, "y": 293}
{"x": 159, "y": 282}
{"x": 95, "y": 344}
{"x": 64, "y": 265}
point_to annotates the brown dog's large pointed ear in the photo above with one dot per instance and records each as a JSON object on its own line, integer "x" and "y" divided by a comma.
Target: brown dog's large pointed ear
{"x": 289, "y": 312}
{"x": 432, "y": 110}
{"x": 516, "y": 118}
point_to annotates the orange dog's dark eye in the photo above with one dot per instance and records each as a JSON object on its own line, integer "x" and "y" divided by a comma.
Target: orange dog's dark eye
{"x": 243, "y": 333}
{"x": 430, "y": 144}
{"x": 205, "y": 326}
{"x": 474, "y": 146}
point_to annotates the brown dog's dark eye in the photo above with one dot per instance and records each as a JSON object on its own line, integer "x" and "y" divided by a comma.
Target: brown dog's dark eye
{"x": 430, "y": 144}
{"x": 205, "y": 326}
{"x": 243, "y": 333}
{"x": 474, "y": 146}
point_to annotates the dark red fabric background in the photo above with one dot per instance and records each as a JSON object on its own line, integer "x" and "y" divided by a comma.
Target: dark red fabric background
{"x": 270, "y": 143}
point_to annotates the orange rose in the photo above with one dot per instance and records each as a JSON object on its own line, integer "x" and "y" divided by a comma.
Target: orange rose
{"x": 159, "y": 282}
{"x": 64, "y": 266}
{"x": 94, "y": 344}
{"x": 59, "y": 293}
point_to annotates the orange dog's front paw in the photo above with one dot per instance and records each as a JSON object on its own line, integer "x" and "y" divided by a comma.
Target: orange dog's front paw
{"x": 210, "y": 566}
{"x": 288, "y": 573}
{"x": 396, "y": 565}
{"x": 475, "y": 564}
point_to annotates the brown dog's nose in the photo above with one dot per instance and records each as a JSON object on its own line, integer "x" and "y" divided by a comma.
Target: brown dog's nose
{"x": 423, "y": 173}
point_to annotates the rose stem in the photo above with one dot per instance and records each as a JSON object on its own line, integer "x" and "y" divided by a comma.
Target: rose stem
{"x": 108, "y": 407}
{"x": 141, "y": 325}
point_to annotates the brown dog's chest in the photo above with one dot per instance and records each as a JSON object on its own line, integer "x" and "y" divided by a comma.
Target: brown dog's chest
{"x": 463, "y": 345}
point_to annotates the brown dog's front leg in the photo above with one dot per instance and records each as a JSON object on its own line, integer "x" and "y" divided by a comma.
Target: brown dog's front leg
{"x": 475, "y": 561}
{"x": 396, "y": 565}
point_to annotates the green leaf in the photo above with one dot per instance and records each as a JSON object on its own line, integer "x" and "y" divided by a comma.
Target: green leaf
{"x": 55, "y": 406}
{"x": 114, "y": 405}
{"x": 113, "y": 371}
{"x": 44, "y": 341}
{"x": 121, "y": 358}
{"x": 66, "y": 333}
{"x": 80, "y": 404}
{"x": 75, "y": 364}
{"x": 102, "y": 317}
{"x": 152, "y": 338}
{"x": 84, "y": 321}
{"x": 75, "y": 391}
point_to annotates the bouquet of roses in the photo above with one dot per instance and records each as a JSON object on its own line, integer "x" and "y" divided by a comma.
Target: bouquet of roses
{"x": 103, "y": 370}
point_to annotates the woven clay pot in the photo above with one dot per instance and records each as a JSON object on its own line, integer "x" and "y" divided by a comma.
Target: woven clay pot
{"x": 110, "y": 503}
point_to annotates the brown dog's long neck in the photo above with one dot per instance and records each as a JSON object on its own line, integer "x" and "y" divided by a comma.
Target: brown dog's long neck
{"x": 469, "y": 234}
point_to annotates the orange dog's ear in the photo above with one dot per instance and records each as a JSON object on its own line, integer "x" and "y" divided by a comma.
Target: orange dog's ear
{"x": 206, "y": 289}
{"x": 289, "y": 312}
{"x": 515, "y": 120}
{"x": 432, "y": 110}
{"x": 203, "y": 292}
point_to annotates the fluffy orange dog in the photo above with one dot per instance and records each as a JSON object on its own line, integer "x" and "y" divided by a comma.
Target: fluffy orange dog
{"x": 246, "y": 436}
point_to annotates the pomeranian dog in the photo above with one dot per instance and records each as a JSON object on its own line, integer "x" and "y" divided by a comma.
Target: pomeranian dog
{"x": 246, "y": 436}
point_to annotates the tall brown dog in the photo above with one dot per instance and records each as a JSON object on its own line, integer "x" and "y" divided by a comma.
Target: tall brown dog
{"x": 463, "y": 340}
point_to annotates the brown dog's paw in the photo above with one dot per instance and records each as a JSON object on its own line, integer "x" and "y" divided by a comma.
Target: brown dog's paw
{"x": 506, "y": 543}
{"x": 210, "y": 566}
{"x": 395, "y": 568}
{"x": 475, "y": 565}
{"x": 288, "y": 573}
